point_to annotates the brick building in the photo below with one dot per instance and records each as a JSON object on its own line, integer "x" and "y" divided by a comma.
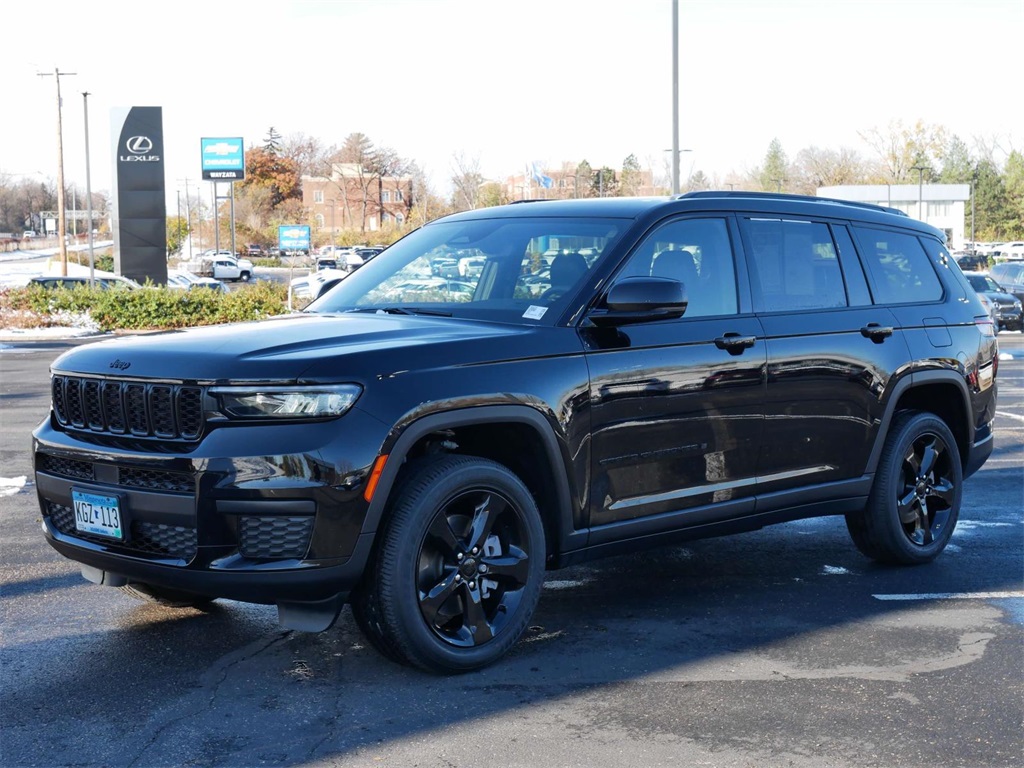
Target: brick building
{"x": 353, "y": 198}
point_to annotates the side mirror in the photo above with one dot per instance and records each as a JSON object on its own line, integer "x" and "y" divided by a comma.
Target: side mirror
{"x": 641, "y": 300}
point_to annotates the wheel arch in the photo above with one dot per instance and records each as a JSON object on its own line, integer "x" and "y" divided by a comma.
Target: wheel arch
{"x": 516, "y": 436}
{"x": 943, "y": 393}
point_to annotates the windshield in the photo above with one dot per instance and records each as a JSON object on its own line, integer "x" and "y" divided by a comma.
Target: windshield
{"x": 508, "y": 270}
{"x": 984, "y": 283}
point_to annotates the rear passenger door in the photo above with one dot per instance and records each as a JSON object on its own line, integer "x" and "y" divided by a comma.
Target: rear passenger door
{"x": 831, "y": 351}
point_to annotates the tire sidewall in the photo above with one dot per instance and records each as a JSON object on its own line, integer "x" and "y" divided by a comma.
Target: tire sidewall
{"x": 405, "y": 536}
{"x": 884, "y": 505}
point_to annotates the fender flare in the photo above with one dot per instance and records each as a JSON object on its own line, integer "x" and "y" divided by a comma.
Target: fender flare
{"x": 904, "y": 385}
{"x": 461, "y": 417}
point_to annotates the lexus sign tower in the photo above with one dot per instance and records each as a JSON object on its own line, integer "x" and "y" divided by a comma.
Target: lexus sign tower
{"x": 140, "y": 214}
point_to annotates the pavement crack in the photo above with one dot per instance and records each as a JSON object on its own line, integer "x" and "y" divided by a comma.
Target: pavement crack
{"x": 220, "y": 670}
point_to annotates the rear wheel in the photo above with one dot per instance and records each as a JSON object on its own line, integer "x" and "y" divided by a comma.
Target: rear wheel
{"x": 915, "y": 500}
{"x": 458, "y": 571}
{"x": 171, "y": 598}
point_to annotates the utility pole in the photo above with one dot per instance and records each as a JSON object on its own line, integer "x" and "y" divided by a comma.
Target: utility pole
{"x": 188, "y": 217}
{"x": 62, "y": 223}
{"x": 88, "y": 193}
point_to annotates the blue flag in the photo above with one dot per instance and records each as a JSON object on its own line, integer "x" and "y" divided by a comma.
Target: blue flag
{"x": 540, "y": 178}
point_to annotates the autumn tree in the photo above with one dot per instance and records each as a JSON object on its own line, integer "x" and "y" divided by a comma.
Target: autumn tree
{"x": 899, "y": 149}
{"x": 816, "y": 167}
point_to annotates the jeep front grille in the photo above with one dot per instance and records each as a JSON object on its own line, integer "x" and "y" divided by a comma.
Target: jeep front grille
{"x": 169, "y": 411}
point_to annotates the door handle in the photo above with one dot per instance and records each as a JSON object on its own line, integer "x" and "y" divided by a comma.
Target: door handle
{"x": 877, "y": 333}
{"x": 734, "y": 344}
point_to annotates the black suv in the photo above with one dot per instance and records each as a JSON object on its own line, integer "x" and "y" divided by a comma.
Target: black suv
{"x": 682, "y": 368}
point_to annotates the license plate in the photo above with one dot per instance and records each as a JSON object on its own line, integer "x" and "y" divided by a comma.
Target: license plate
{"x": 98, "y": 515}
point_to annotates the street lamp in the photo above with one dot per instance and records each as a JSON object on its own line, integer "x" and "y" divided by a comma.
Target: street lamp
{"x": 920, "y": 189}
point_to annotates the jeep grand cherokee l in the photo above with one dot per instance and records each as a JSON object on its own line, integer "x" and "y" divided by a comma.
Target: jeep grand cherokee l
{"x": 684, "y": 367}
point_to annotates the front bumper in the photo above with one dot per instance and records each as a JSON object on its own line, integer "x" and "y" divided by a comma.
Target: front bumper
{"x": 259, "y": 513}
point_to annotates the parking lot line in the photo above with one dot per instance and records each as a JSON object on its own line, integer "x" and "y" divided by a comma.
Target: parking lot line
{"x": 953, "y": 596}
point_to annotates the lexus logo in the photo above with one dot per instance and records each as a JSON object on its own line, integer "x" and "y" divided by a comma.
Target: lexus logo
{"x": 139, "y": 145}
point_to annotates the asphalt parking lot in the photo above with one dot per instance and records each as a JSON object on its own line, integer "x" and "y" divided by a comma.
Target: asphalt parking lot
{"x": 782, "y": 647}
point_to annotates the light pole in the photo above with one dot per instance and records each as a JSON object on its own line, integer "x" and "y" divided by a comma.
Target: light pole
{"x": 675, "y": 97}
{"x": 920, "y": 189}
{"x": 334, "y": 206}
{"x": 88, "y": 192}
{"x": 676, "y": 153}
{"x": 61, "y": 212}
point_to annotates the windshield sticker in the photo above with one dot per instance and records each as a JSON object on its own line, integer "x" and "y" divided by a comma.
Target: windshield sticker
{"x": 535, "y": 312}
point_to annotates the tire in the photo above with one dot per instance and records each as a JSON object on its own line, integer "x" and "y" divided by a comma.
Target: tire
{"x": 244, "y": 277}
{"x": 915, "y": 500}
{"x": 170, "y": 598}
{"x": 458, "y": 568}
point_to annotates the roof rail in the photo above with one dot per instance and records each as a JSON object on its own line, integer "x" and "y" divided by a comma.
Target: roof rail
{"x": 531, "y": 200}
{"x": 787, "y": 196}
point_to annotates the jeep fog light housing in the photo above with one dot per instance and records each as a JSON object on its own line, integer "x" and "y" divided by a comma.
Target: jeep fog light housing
{"x": 326, "y": 402}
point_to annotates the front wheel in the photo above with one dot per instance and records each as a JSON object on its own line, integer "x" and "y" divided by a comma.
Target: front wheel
{"x": 244, "y": 277}
{"x": 915, "y": 499}
{"x": 458, "y": 571}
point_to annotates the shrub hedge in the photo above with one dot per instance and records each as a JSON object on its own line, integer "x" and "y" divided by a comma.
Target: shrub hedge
{"x": 153, "y": 308}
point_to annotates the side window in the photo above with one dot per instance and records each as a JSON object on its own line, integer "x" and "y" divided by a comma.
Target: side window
{"x": 795, "y": 265}
{"x": 899, "y": 270}
{"x": 697, "y": 253}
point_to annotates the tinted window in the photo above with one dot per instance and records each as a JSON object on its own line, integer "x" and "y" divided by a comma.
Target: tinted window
{"x": 795, "y": 265}
{"x": 523, "y": 270}
{"x": 898, "y": 268}
{"x": 697, "y": 253}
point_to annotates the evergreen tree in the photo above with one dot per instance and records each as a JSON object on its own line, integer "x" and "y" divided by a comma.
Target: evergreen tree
{"x": 774, "y": 174}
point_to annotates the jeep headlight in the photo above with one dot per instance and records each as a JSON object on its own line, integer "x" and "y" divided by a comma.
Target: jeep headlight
{"x": 261, "y": 402}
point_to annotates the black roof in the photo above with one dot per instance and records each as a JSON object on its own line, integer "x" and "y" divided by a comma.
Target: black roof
{"x": 711, "y": 200}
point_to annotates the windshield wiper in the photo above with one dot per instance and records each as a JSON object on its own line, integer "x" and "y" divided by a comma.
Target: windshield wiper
{"x": 414, "y": 311}
{"x": 399, "y": 311}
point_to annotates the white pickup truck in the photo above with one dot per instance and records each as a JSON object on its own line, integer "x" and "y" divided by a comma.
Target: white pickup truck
{"x": 222, "y": 266}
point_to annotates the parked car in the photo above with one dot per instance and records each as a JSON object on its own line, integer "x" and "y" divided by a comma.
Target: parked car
{"x": 182, "y": 278}
{"x": 726, "y": 361}
{"x": 306, "y": 288}
{"x": 1009, "y": 313}
{"x": 1010, "y": 275}
{"x": 254, "y": 251}
{"x": 76, "y": 281}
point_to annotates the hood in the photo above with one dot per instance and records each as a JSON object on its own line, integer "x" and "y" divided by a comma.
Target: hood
{"x": 1001, "y": 298}
{"x": 283, "y": 349}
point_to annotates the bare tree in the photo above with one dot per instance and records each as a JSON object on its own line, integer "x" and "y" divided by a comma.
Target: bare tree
{"x": 466, "y": 179}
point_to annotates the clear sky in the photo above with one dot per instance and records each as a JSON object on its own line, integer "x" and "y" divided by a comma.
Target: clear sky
{"x": 508, "y": 82}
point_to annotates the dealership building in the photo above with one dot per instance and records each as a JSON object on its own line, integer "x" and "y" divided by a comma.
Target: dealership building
{"x": 941, "y": 205}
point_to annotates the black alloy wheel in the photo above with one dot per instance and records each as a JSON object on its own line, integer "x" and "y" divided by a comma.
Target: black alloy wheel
{"x": 458, "y": 571}
{"x": 472, "y": 569}
{"x": 915, "y": 500}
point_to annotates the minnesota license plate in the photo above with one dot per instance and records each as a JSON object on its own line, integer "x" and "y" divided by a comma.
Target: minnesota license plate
{"x": 98, "y": 515}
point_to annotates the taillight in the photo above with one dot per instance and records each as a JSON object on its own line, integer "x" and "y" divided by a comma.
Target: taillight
{"x": 985, "y": 325}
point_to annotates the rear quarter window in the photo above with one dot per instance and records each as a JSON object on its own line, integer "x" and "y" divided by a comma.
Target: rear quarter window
{"x": 899, "y": 271}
